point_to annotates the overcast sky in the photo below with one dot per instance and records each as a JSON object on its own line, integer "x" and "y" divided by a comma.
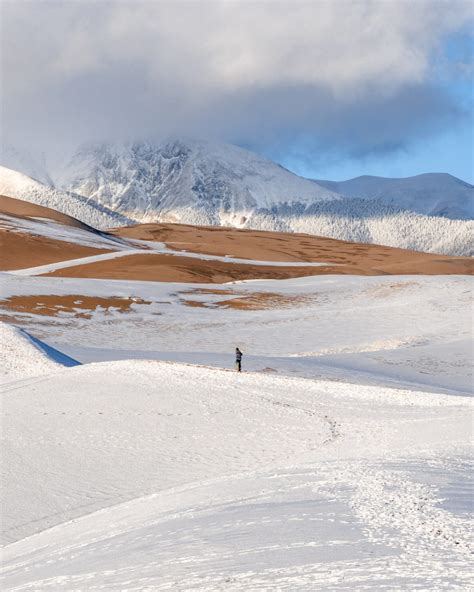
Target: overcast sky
{"x": 331, "y": 89}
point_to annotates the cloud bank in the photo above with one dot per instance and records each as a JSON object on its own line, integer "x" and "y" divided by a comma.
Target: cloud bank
{"x": 343, "y": 77}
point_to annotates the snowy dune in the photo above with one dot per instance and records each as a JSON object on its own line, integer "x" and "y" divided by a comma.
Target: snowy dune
{"x": 380, "y": 330}
{"x": 302, "y": 501}
{"x": 58, "y": 243}
{"x": 22, "y": 355}
{"x": 32, "y": 234}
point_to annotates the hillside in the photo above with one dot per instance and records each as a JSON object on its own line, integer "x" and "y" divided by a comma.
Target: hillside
{"x": 17, "y": 185}
{"x": 36, "y": 240}
{"x": 434, "y": 194}
{"x": 166, "y": 476}
{"x": 34, "y": 235}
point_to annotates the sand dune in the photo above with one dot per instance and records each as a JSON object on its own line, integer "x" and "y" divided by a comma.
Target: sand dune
{"x": 20, "y": 208}
{"x": 29, "y": 248}
{"x": 21, "y": 249}
{"x": 352, "y": 258}
{"x": 171, "y": 268}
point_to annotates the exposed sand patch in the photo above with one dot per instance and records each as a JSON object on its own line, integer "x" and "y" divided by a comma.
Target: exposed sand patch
{"x": 171, "y": 268}
{"x": 353, "y": 258}
{"x": 25, "y": 209}
{"x": 74, "y": 305}
{"x": 20, "y": 250}
{"x": 384, "y": 291}
{"x": 252, "y": 301}
{"x": 26, "y": 249}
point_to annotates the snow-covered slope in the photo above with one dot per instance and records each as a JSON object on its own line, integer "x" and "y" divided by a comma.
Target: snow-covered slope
{"x": 22, "y": 355}
{"x": 339, "y": 459}
{"x": 436, "y": 194}
{"x": 20, "y": 186}
{"x": 372, "y": 221}
{"x": 184, "y": 180}
{"x": 345, "y": 488}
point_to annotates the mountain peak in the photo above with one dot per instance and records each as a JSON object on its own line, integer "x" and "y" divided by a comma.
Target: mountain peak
{"x": 151, "y": 181}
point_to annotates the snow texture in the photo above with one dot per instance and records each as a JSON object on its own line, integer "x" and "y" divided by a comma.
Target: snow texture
{"x": 22, "y": 355}
{"x": 20, "y": 186}
{"x": 434, "y": 194}
{"x": 329, "y": 493}
{"x": 144, "y": 474}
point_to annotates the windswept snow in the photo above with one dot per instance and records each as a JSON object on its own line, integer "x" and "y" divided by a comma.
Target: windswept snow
{"x": 22, "y": 355}
{"x": 57, "y": 231}
{"x": 404, "y": 331}
{"x": 254, "y": 481}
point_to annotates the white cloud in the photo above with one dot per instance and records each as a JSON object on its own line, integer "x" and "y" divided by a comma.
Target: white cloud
{"x": 156, "y": 67}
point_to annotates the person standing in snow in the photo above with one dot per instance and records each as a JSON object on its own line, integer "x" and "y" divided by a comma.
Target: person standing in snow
{"x": 238, "y": 359}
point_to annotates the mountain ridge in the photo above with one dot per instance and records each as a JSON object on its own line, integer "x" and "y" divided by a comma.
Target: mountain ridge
{"x": 424, "y": 193}
{"x": 207, "y": 183}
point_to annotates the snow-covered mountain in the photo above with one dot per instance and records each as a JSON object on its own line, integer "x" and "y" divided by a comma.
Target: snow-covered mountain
{"x": 20, "y": 186}
{"x": 206, "y": 183}
{"x": 186, "y": 181}
{"x": 435, "y": 194}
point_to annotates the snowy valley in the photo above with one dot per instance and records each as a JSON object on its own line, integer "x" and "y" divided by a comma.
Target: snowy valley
{"x": 236, "y": 296}
{"x": 134, "y": 457}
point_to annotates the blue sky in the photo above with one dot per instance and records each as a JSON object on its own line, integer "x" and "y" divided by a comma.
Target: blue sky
{"x": 329, "y": 88}
{"x": 449, "y": 150}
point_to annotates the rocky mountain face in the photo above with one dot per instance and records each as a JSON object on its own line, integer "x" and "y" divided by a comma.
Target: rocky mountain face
{"x": 188, "y": 181}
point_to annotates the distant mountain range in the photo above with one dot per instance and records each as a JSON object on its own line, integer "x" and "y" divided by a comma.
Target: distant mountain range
{"x": 207, "y": 183}
{"x": 435, "y": 194}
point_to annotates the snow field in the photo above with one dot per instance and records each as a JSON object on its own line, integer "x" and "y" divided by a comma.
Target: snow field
{"x": 404, "y": 331}
{"x": 308, "y": 482}
{"x": 150, "y": 475}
